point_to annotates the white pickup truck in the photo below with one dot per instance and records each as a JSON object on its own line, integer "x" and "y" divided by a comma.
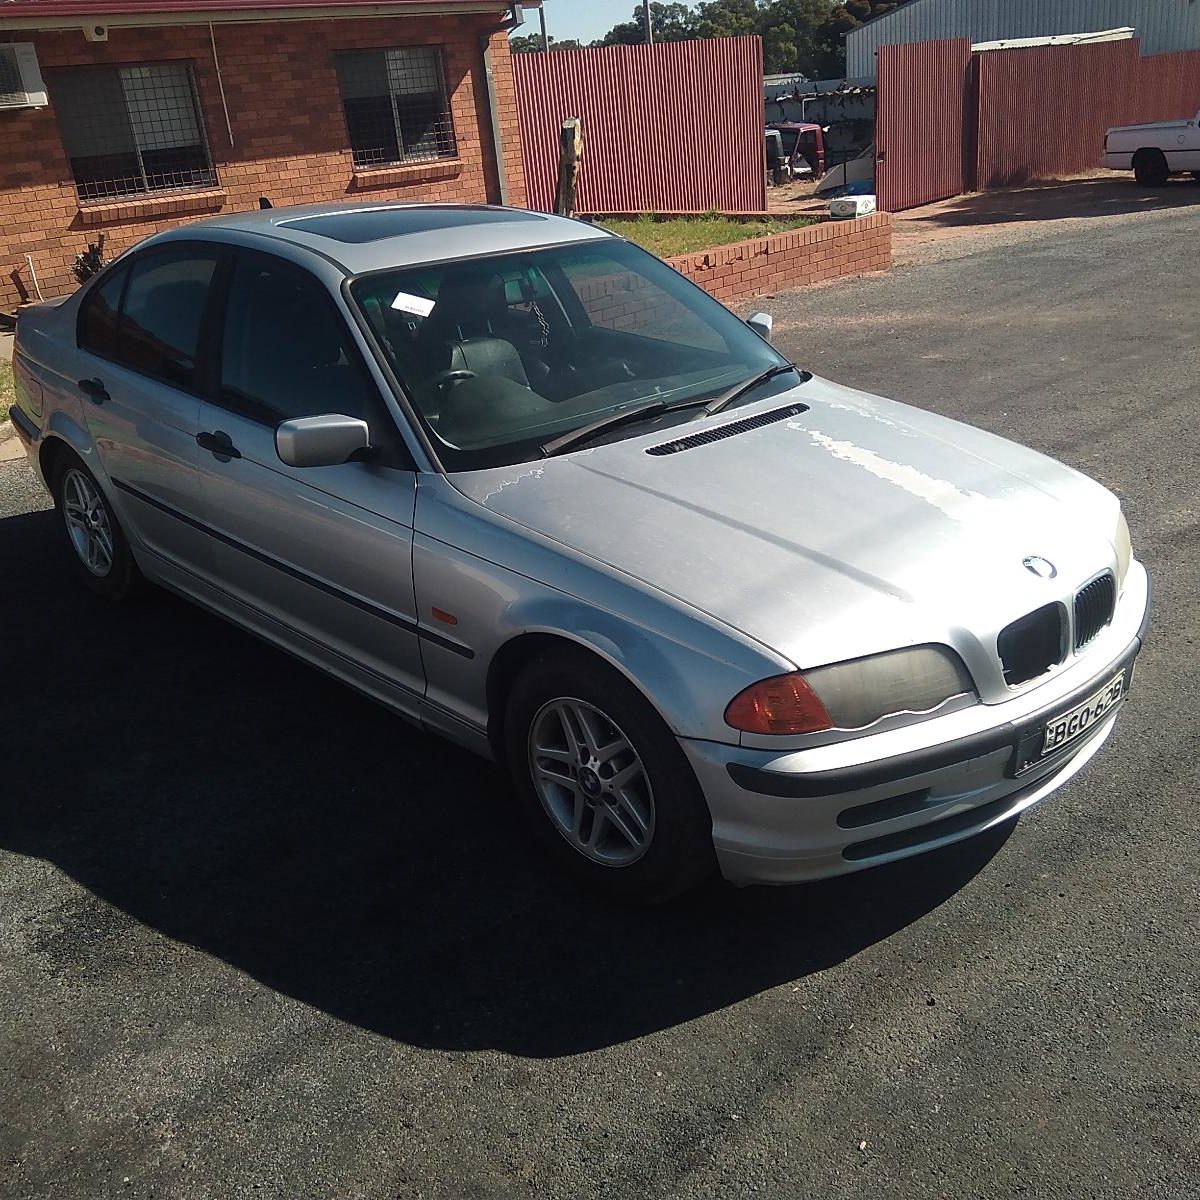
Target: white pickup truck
{"x": 1155, "y": 151}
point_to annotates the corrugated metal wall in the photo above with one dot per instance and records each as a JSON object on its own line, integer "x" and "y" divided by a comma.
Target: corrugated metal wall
{"x": 1043, "y": 110}
{"x": 919, "y": 123}
{"x": 675, "y": 127}
{"x": 1167, "y": 86}
{"x": 1163, "y": 25}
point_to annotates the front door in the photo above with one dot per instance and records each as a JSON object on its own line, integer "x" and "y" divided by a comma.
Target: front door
{"x": 141, "y": 372}
{"x": 319, "y": 557}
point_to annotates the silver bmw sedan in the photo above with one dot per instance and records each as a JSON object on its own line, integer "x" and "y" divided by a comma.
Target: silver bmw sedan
{"x": 526, "y": 485}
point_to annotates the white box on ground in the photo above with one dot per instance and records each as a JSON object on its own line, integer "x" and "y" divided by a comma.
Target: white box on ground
{"x": 842, "y": 207}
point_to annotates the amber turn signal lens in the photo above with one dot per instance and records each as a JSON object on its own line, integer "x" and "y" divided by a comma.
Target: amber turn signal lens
{"x": 781, "y": 704}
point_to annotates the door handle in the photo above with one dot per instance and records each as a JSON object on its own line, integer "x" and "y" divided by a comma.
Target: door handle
{"x": 219, "y": 444}
{"x": 93, "y": 389}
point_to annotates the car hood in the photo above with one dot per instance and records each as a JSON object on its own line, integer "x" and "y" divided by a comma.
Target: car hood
{"x": 854, "y": 526}
{"x": 1182, "y": 123}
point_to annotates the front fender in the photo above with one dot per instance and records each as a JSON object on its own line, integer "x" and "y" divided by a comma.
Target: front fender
{"x": 684, "y": 683}
{"x": 499, "y": 582}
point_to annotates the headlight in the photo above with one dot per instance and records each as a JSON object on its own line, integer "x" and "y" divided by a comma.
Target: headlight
{"x": 851, "y": 695}
{"x": 1124, "y": 550}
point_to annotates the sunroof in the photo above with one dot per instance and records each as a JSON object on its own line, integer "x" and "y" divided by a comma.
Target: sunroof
{"x": 374, "y": 224}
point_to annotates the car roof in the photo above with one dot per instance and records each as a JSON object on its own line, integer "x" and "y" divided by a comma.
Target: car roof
{"x": 370, "y": 237}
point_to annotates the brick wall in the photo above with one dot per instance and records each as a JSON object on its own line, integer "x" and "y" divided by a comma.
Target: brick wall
{"x": 625, "y": 301}
{"x": 792, "y": 259}
{"x": 289, "y": 135}
{"x": 778, "y": 262}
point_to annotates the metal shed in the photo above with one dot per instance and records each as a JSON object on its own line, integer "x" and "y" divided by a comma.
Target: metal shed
{"x": 1162, "y": 25}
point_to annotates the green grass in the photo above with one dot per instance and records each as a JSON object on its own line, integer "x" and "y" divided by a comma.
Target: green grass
{"x": 683, "y": 235}
{"x": 7, "y": 394}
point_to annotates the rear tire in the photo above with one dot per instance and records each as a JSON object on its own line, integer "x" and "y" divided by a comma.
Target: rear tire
{"x": 98, "y": 546}
{"x": 1150, "y": 168}
{"x": 603, "y": 781}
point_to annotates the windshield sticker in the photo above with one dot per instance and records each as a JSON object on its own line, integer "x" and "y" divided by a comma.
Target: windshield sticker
{"x": 417, "y": 305}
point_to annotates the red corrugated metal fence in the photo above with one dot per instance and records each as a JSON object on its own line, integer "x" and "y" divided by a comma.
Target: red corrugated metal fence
{"x": 1167, "y": 86}
{"x": 1043, "y": 110}
{"x": 949, "y": 121}
{"x": 675, "y": 127}
{"x": 919, "y": 123}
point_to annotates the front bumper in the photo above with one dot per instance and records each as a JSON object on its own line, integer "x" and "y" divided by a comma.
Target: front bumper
{"x": 783, "y": 817}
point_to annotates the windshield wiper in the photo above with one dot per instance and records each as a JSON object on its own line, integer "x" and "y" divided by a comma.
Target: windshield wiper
{"x": 735, "y": 393}
{"x": 585, "y": 433}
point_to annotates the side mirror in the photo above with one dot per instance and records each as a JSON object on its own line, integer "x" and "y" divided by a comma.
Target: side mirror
{"x": 325, "y": 441}
{"x": 762, "y": 324}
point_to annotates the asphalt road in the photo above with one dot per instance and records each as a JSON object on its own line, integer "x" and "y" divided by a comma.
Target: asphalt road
{"x": 259, "y": 938}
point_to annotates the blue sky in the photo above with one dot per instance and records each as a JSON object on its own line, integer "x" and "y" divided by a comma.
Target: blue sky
{"x": 582, "y": 19}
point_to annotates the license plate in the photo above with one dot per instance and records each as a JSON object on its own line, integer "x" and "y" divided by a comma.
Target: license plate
{"x": 1065, "y": 729}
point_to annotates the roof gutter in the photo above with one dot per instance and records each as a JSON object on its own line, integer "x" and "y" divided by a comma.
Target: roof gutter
{"x": 516, "y": 18}
{"x": 54, "y": 16}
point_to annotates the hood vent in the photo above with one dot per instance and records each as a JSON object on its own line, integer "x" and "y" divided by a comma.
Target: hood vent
{"x": 728, "y": 431}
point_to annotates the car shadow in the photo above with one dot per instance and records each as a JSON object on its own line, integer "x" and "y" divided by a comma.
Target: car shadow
{"x": 240, "y": 802}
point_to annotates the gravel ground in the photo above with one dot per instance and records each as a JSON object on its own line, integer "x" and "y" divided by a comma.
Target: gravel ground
{"x": 258, "y": 938}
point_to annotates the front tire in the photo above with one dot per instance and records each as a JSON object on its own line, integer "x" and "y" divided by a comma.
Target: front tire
{"x": 1150, "y": 168}
{"x": 604, "y": 782}
{"x": 96, "y": 540}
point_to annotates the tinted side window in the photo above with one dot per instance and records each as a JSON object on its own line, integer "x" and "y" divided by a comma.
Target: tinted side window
{"x": 286, "y": 351}
{"x": 98, "y": 320}
{"x": 159, "y": 333}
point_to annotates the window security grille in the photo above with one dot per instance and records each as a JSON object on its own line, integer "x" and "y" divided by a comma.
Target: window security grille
{"x": 132, "y": 130}
{"x": 12, "y": 87}
{"x": 396, "y": 106}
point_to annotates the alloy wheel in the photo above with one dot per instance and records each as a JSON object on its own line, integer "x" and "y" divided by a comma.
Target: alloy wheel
{"x": 591, "y": 782}
{"x": 88, "y": 525}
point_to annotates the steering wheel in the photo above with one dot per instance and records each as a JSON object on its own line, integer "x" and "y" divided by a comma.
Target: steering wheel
{"x": 443, "y": 381}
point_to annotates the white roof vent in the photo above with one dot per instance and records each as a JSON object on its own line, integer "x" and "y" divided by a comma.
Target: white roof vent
{"x": 21, "y": 83}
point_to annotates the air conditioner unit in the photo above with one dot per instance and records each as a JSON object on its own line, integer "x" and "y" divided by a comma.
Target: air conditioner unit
{"x": 21, "y": 83}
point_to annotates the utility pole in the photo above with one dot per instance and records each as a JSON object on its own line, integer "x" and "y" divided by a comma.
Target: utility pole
{"x": 545, "y": 39}
{"x": 649, "y": 23}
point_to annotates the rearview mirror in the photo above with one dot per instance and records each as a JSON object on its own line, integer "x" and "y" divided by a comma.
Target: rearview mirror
{"x": 761, "y": 323}
{"x": 325, "y": 441}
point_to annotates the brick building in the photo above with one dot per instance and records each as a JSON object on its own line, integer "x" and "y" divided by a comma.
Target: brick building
{"x": 128, "y": 116}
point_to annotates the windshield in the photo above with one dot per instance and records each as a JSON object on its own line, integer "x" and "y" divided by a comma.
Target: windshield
{"x": 501, "y": 354}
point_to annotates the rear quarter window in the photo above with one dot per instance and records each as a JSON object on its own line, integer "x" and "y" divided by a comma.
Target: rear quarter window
{"x": 98, "y": 317}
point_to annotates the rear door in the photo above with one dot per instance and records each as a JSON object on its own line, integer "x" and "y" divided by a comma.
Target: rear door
{"x": 320, "y": 557}
{"x": 141, "y": 337}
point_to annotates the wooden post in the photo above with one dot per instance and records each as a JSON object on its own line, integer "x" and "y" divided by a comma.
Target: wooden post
{"x": 570, "y": 155}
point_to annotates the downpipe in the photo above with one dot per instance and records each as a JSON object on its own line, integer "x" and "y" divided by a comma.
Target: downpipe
{"x": 516, "y": 18}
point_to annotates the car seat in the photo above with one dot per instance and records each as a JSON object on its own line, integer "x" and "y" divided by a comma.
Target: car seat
{"x": 464, "y": 332}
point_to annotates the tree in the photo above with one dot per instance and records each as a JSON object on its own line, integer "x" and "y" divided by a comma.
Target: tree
{"x": 806, "y": 36}
{"x": 728, "y": 18}
{"x": 862, "y": 11}
{"x": 672, "y": 23}
{"x": 802, "y": 35}
{"x": 525, "y": 43}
